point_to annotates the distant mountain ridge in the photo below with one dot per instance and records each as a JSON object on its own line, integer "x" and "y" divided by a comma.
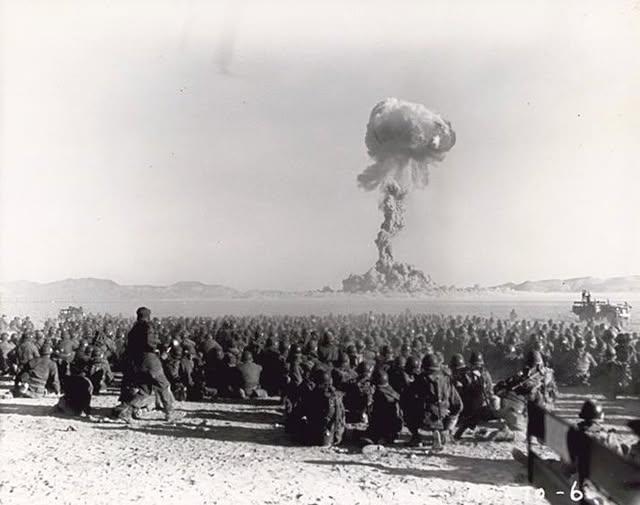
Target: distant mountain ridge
{"x": 102, "y": 290}
{"x": 577, "y": 284}
{"x": 90, "y": 289}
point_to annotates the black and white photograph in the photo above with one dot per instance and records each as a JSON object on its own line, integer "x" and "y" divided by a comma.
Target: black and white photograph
{"x": 320, "y": 252}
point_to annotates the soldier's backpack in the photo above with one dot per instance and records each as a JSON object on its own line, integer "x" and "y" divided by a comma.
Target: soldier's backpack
{"x": 422, "y": 402}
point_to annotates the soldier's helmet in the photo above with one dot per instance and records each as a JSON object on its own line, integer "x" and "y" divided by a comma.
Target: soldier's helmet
{"x": 364, "y": 368}
{"x": 621, "y": 338}
{"x": 412, "y": 367}
{"x": 380, "y": 377}
{"x": 534, "y": 358}
{"x": 476, "y": 359}
{"x": 430, "y": 362}
{"x": 579, "y": 343}
{"x": 97, "y": 353}
{"x": 456, "y": 361}
{"x": 45, "y": 350}
{"x": 321, "y": 377}
{"x": 591, "y": 410}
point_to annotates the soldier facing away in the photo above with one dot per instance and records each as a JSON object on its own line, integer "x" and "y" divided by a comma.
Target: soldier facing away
{"x": 431, "y": 403}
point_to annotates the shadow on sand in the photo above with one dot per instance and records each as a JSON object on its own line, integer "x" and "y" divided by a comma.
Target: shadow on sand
{"x": 241, "y": 416}
{"x": 221, "y": 433}
{"x": 460, "y": 468}
{"x": 23, "y": 409}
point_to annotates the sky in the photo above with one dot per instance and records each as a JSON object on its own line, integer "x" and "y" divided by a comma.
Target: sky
{"x": 154, "y": 141}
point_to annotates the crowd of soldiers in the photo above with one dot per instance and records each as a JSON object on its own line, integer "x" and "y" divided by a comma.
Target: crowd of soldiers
{"x": 381, "y": 372}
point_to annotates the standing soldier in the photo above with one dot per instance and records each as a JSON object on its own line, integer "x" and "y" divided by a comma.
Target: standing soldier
{"x": 144, "y": 369}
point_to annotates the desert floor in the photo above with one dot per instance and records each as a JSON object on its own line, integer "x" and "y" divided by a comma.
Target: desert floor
{"x": 237, "y": 453}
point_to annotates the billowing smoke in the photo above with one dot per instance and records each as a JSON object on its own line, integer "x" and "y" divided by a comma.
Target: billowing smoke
{"x": 403, "y": 139}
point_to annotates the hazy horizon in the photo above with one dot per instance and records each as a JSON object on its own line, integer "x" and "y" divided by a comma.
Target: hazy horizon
{"x": 157, "y": 142}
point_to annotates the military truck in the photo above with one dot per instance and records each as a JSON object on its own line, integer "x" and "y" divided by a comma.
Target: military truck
{"x": 71, "y": 313}
{"x": 591, "y": 310}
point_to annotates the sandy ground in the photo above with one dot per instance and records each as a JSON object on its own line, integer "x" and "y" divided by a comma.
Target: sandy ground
{"x": 237, "y": 453}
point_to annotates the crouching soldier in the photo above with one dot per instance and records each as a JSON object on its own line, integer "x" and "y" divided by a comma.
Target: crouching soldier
{"x": 100, "y": 373}
{"x": 385, "y": 423}
{"x": 475, "y": 386}
{"x": 592, "y": 415}
{"x": 148, "y": 386}
{"x": 38, "y": 376}
{"x": 250, "y": 377}
{"x": 359, "y": 394}
{"x": 431, "y": 403}
{"x": 324, "y": 416}
{"x": 178, "y": 372}
{"x": 533, "y": 383}
{"x": 610, "y": 375}
{"x": 77, "y": 394}
{"x": 299, "y": 385}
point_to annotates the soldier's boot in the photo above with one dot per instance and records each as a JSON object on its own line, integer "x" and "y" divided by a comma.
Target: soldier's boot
{"x": 172, "y": 416}
{"x": 459, "y": 432}
{"x": 123, "y": 413}
{"x": 437, "y": 441}
{"x": 415, "y": 440}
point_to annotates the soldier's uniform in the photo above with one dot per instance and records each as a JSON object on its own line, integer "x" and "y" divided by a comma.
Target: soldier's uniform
{"x": 579, "y": 366}
{"x": 398, "y": 378}
{"x": 592, "y": 416}
{"x": 431, "y": 402}
{"x": 533, "y": 383}
{"x": 77, "y": 396}
{"x": 25, "y": 352}
{"x": 273, "y": 370}
{"x": 6, "y": 354}
{"x": 38, "y": 376}
{"x": 64, "y": 356}
{"x": 359, "y": 394}
{"x": 250, "y": 374}
{"x": 173, "y": 369}
{"x": 385, "y": 422}
{"x": 475, "y": 386}
{"x": 144, "y": 374}
{"x": 343, "y": 375}
{"x": 100, "y": 373}
{"x": 611, "y": 376}
{"x": 323, "y": 412}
